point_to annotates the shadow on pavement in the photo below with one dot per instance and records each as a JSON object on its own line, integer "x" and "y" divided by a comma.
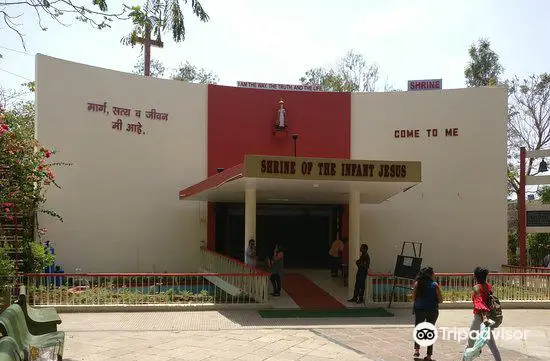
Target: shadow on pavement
{"x": 395, "y": 344}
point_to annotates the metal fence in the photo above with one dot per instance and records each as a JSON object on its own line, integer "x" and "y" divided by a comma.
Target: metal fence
{"x": 228, "y": 281}
{"x": 520, "y": 269}
{"x": 256, "y": 282}
{"x": 457, "y": 287}
{"x": 100, "y": 289}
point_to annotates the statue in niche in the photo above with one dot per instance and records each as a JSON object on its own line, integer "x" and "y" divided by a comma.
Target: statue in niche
{"x": 281, "y": 112}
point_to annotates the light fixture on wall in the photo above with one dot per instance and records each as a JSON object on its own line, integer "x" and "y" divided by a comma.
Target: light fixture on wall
{"x": 294, "y": 139}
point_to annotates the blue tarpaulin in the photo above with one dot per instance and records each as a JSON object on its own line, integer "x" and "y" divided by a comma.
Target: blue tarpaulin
{"x": 482, "y": 339}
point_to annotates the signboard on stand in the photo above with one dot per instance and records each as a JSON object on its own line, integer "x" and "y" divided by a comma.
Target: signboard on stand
{"x": 406, "y": 267}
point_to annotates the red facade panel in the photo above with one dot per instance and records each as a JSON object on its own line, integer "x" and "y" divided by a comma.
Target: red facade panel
{"x": 242, "y": 121}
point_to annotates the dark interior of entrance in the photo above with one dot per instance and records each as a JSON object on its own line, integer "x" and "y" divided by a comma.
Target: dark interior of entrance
{"x": 304, "y": 231}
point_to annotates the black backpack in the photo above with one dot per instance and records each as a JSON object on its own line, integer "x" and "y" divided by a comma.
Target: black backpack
{"x": 495, "y": 313}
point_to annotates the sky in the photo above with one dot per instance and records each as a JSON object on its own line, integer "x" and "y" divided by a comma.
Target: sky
{"x": 277, "y": 41}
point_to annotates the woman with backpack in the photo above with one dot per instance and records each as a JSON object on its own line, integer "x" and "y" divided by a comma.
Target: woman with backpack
{"x": 427, "y": 297}
{"x": 482, "y": 306}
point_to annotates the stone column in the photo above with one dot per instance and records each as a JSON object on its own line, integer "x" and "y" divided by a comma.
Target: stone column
{"x": 249, "y": 215}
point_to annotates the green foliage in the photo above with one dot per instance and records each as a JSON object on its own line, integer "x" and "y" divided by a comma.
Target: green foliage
{"x": 484, "y": 68}
{"x": 349, "y": 74}
{"x": 7, "y": 267}
{"x": 160, "y": 16}
{"x": 25, "y": 176}
{"x": 26, "y": 172}
{"x": 36, "y": 258}
{"x": 512, "y": 184}
{"x": 190, "y": 73}
{"x": 544, "y": 194}
{"x": 512, "y": 253}
{"x": 538, "y": 246}
{"x": 44, "y": 295}
{"x": 31, "y": 85}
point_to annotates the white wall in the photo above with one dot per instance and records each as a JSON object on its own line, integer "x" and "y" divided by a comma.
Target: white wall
{"x": 120, "y": 197}
{"x": 459, "y": 210}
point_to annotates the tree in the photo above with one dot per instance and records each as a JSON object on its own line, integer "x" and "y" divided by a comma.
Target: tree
{"x": 158, "y": 16}
{"x": 10, "y": 97}
{"x": 97, "y": 15}
{"x": 529, "y": 127}
{"x": 190, "y": 73}
{"x": 349, "y": 74}
{"x": 157, "y": 68}
{"x": 528, "y": 123}
{"x": 484, "y": 68}
{"x": 26, "y": 172}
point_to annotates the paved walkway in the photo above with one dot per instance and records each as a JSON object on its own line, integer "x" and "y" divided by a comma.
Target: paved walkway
{"x": 243, "y": 335}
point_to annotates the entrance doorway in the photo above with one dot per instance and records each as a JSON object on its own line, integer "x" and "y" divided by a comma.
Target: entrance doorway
{"x": 305, "y": 232}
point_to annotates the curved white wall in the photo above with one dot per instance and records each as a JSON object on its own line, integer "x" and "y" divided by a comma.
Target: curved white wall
{"x": 120, "y": 198}
{"x": 459, "y": 209}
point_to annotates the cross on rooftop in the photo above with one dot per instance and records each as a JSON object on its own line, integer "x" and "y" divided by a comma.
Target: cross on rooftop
{"x": 147, "y": 43}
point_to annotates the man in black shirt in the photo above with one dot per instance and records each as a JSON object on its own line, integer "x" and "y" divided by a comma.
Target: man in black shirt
{"x": 363, "y": 265}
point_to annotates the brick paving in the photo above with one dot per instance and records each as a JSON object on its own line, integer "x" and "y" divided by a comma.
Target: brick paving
{"x": 253, "y": 345}
{"x": 243, "y": 335}
{"x": 394, "y": 344}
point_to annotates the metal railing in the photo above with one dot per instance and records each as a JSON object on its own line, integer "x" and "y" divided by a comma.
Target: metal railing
{"x": 527, "y": 269}
{"x": 229, "y": 281}
{"x": 457, "y": 287}
{"x": 102, "y": 289}
{"x": 256, "y": 283}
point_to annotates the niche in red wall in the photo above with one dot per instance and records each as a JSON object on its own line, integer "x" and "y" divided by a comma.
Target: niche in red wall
{"x": 241, "y": 121}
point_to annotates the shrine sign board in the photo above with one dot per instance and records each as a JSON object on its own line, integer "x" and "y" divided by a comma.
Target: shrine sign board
{"x": 257, "y": 166}
{"x": 427, "y": 84}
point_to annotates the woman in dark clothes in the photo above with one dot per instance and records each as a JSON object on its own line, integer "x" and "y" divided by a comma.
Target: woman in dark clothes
{"x": 363, "y": 264}
{"x": 427, "y": 297}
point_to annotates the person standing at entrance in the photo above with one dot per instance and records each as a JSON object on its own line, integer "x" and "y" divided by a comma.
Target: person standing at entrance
{"x": 427, "y": 297}
{"x": 363, "y": 264}
{"x": 335, "y": 253}
{"x": 250, "y": 253}
{"x": 276, "y": 265}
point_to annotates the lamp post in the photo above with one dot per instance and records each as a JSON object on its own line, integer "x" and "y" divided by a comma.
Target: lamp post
{"x": 294, "y": 138}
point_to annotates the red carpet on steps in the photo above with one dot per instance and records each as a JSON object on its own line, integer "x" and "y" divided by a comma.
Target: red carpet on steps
{"x": 307, "y": 295}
